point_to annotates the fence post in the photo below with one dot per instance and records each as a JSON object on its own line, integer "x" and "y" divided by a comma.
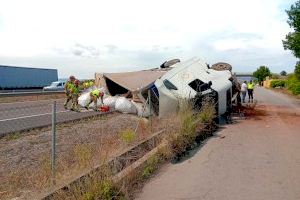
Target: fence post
{"x": 150, "y": 117}
{"x": 53, "y": 153}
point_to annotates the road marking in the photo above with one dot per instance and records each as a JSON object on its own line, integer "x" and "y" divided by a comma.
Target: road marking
{"x": 3, "y": 120}
{"x": 10, "y": 119}
{"x": 57, "y": 100}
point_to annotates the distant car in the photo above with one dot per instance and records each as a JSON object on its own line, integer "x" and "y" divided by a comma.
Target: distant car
{"x": 55, "y": 86}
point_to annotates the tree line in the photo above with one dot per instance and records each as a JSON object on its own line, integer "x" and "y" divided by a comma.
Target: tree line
{"x": 292, "y": 43}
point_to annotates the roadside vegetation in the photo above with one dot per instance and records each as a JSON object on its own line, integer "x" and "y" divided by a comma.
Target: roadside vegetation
{"x": 290, "y": 83}
{"x": 287, "y": 83}
{"x": 292, "y": 42}
{"x": 95, "y": 147}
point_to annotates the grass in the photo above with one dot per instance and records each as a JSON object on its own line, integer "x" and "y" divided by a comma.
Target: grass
{"x": 150, "y": 166}
{"x": 83, "y": 154}
{"x": 14, "y": 136}
{"x": 128, "y": 136}
{"x": 181, "y": 131}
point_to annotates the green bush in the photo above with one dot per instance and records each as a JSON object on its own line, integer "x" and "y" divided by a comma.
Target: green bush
{"x": 277, "y": 83}
{"x": 293, "y": 84}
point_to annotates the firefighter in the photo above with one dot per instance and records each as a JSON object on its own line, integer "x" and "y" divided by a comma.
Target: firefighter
{"x": 250, "y": 88}
{"x": 75, "y": 93}
{"x": 88, "y": 84}
{"x": 69, "y": 84}
{"x": 95, "y": 94}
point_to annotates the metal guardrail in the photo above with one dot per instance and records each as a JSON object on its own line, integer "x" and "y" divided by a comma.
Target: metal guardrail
{"x": 13, "y": 94}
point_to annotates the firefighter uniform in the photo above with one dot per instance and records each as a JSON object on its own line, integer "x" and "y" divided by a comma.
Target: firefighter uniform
{"x": 95, "y": 94}
{"x": 75, "y": 93}
{"x": 68, "y": 86}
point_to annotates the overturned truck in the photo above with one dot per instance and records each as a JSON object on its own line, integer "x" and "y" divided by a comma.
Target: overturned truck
{"x": 192, "y": 80}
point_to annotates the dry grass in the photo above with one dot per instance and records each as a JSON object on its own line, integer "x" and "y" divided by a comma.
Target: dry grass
{"x": 180, "y": 131}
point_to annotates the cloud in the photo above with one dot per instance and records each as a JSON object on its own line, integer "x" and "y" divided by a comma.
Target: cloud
{"x": 111, "y": 48}
{"x": 85, "y": 51}
{"x": 121, "y": 35}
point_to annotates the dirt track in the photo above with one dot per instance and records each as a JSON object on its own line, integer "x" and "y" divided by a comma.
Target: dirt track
{"x": 258, "y": 158}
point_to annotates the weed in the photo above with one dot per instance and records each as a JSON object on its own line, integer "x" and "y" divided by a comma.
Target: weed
{"x": 150, "y": 166}
{"x": 128, "y": 136}
{"x": 99, "y": 190}
{"x": 207, "y": 112}
{"x": 14, "y": 136}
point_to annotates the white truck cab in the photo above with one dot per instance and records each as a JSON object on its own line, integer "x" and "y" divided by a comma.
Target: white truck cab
{"x": 190, "y": 80}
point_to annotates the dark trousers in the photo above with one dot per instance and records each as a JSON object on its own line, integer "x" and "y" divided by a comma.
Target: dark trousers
{"x": 250, "y": 94}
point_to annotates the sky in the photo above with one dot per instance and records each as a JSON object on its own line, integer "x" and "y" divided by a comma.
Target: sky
{"x": 81, "y": 37}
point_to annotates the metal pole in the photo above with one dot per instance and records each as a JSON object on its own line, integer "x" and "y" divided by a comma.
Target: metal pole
{"x": 53, "y": 154}
{"x": 150, "y": 117}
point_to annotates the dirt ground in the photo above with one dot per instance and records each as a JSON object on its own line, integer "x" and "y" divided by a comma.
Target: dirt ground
{"x": 25, "y": 159}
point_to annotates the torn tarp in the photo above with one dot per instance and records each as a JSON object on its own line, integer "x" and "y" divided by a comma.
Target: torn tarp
{"x": 121, "y": 83}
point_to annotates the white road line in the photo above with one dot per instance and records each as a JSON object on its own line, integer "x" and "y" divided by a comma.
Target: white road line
{"x": 4, "y": 120}
{"x": 51, "y": 100}
{"x": 10, "y": 119}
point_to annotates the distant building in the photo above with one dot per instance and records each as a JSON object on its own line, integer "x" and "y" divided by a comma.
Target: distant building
{"x": 24, "y": 77}
{"x": 244, "y": 76}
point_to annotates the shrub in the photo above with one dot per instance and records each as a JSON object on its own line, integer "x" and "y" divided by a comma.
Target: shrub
{"x": 277, "y": 83}
{"x": 293, "y": 84}
{"x": 207, "y": 112}
{"x": 150, "y": 167}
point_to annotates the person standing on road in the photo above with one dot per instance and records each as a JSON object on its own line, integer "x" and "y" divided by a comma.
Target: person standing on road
{"x": 75, "y": 93}
{"x": 69, "y": 84}
{"x": 244, "y": 90}
{"x": 250, "y": 88}
{"x": 95, "y": 94}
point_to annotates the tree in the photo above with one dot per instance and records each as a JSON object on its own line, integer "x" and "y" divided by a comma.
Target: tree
{"x": 283, "y": 73}
{"x": 292, "y": 41}
{"x": 261, "y": 73}
{"x": 297, "y": 70}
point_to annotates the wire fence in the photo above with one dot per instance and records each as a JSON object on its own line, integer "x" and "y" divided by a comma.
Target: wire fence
{"x": 38, "y": 157}
{"x": 22, "y": 116}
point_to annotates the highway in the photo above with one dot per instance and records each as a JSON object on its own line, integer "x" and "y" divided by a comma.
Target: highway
{"x": 33, "y": 114}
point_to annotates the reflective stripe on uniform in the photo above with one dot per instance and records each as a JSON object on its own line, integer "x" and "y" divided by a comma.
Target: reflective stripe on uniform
{"x": 75, "y": 90}
{"x": 250, "y": 86}
{"x": 96, "y": 93}
{"x": 70, "y": 85}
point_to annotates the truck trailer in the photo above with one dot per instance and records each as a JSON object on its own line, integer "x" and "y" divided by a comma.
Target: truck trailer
{"x": 25, "y": 78}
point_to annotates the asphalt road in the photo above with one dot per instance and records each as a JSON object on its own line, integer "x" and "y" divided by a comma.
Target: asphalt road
{"x": 255, "y": 159}
{"x": 26, "y": 115}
